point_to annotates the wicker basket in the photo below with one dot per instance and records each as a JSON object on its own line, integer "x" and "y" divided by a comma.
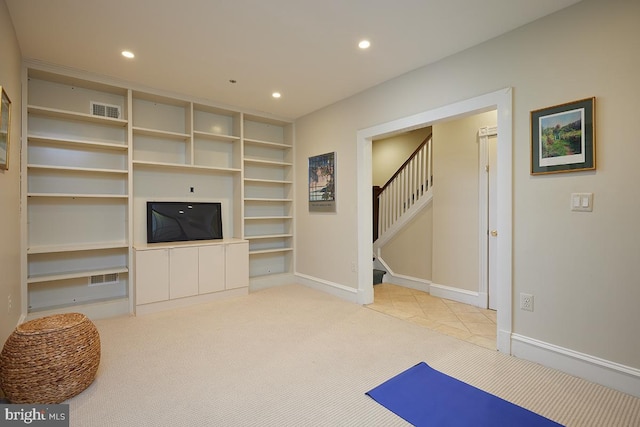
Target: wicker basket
{"x": 49, "y": 360}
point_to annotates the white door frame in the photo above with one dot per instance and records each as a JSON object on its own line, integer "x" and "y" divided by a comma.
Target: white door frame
{"x": 501, "y": 101}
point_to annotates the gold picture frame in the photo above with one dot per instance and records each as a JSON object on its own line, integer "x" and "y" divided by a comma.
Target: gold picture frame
{"x": 5, "y": 127}
{"x": 563, "y": 138}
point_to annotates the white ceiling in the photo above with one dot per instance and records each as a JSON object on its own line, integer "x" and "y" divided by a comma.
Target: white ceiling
{"x": 305, "y": 49}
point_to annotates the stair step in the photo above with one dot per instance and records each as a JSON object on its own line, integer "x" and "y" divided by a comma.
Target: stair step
{"x": 377, "y": 276}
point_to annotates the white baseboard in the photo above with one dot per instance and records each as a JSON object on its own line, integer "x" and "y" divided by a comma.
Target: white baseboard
{"x": 407, "y": 281}
{"x": 464, "y": 296}
{"x": 270, "y": 281}
{"x": 155, "y": 307}
{"x": 94, "y": 311}
{"x": 591, "y": 368}
{"x": 401, "y": 279}
{"x": 336, "y": 289}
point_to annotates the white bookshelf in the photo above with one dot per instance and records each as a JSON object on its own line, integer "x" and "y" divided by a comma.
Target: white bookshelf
{"x": 76, "y": 186}
{"x": 88, "y": 178}
{"x": 268, "y": 196}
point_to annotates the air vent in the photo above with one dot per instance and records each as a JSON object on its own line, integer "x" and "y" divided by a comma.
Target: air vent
{"x": 105, "y": 110}
{"x": 103, "y": 279}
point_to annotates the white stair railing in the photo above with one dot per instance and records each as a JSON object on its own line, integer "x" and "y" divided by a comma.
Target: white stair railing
{"x": 405, "y": 189}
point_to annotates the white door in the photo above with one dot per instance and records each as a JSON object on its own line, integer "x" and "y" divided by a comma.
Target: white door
{"x": 492, "y": 146}
{"x": 152, "y": 276}
{"x": 210, "y": 268}
{"x": 183, "y": 272}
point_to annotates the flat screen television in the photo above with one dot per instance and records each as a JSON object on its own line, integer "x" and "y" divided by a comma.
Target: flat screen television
{"x": 183, "y": 221}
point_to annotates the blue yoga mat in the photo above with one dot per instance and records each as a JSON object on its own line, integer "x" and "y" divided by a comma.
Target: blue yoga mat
{"x": 426, "y": 397}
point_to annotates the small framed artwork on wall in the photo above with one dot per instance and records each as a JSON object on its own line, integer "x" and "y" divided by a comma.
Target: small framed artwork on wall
{"x": 322, "y": 183}
{"x": 563, "y": 138}
{"x": 5, "y": 126}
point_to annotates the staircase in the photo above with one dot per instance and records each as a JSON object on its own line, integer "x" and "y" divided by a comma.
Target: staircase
{"x": 407, "y": 192}
{"x": 378, "y": 276}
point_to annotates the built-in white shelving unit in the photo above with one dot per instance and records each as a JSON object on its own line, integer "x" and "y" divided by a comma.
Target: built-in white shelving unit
{"x": 96, "y": 151}
{"x": 268, "y": 195}
{"x": 77, "y": 194}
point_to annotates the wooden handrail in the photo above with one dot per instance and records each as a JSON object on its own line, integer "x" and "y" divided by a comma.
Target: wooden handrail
{"x": 406, "y": 162}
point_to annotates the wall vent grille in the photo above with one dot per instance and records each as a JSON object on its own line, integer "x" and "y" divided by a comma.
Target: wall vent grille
{"x": 105, "y": 110}
{"x": 103, "y": 279}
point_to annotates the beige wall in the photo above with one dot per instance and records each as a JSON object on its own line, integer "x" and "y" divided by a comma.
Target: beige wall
{"x": 10, "y": 181}
{"x": 455, "y": 201}
{"x": 389, "y": 154}
{"x": 409, "y": 253}
{"x": 582, "y": 268}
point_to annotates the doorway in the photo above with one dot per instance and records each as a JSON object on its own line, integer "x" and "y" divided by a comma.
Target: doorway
{"x": 499, "y": 100}
{"x": 453, "y": 233}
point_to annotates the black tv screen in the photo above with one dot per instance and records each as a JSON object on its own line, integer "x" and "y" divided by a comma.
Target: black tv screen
{"x": 183, "y": 221}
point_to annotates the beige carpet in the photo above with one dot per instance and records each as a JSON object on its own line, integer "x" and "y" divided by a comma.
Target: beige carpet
{"x": 292, "y": 356}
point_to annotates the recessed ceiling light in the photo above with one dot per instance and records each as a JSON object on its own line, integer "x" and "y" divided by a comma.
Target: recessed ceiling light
{"x": 128, "y": 54}
{"x": 364, "y": 44}
{"x": 276, "y": 94}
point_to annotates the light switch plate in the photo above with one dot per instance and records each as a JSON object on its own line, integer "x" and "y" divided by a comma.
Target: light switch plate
{"x": 582, "y": 202}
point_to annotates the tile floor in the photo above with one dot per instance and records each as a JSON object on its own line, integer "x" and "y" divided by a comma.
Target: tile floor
{"x": 462, "y": 321}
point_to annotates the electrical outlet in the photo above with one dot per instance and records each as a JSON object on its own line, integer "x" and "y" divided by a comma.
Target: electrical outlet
{"x": 526, "y": 302}
{"x": 9, "y": 304}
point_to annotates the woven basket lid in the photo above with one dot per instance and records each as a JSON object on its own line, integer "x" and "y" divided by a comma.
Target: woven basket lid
{"x": 49, "y": 324}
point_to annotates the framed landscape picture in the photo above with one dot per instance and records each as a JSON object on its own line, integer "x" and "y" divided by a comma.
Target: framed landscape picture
{"x": 5, "y": 125}
{"x": 563, "y": 138}
{"x": 322, "y": 183}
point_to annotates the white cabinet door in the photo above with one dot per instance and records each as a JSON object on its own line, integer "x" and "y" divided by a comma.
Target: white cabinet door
{"x": 152, "y": 276}
{"x": 237, "y": 265}
{"x": 183, "y": 272}
{"x": 211, "y": 268}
